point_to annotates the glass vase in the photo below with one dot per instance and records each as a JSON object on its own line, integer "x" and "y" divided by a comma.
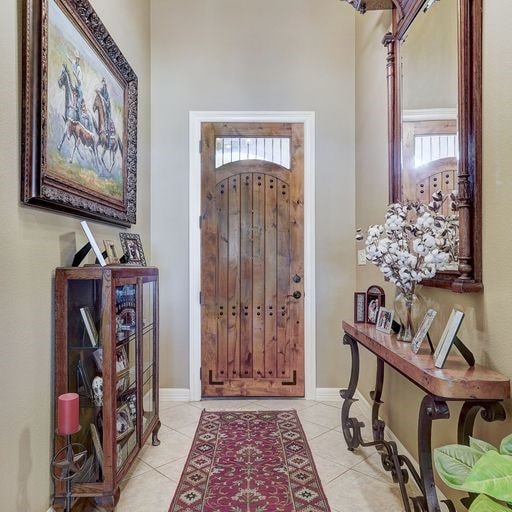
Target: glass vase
{"x": 408, "y": 309}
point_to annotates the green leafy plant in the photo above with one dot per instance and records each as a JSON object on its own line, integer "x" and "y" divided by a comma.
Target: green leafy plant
{"x": 479, "y": 468}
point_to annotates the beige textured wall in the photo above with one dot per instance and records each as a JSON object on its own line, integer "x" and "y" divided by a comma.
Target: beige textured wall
{"x": 34, "y": 243}
{"x": 265, "y": 55}
{"x": 371, "y": 148}
{"x": 486, "y": 327}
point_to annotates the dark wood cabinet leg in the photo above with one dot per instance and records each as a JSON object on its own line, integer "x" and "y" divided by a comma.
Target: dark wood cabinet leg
{"x": 59, "y": 503}
{"x": 154, "y": 438}
{"x": 108, "y": 501}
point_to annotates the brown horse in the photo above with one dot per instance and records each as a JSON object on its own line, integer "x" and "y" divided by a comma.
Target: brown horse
{"x": 73, "y": 127}
{"x": 107, "y": 139}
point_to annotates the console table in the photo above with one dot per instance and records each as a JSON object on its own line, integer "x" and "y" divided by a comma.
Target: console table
{"x": 479, "y": 388}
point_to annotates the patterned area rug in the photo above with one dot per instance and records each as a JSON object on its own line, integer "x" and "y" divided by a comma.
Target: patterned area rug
{"x": 249, "y": 462}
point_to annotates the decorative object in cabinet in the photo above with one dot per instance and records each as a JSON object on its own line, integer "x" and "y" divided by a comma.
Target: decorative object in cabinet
{"x": 116, "y": 379}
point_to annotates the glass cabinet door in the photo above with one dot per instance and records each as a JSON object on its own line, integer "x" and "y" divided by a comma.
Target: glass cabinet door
{"x": 125, "y": 360}
{"x": 84, "y": 371}
{"x": 149, "y": 355}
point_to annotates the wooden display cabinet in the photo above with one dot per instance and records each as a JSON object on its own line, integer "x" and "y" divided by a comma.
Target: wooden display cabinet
{"x": 106, "y": 330}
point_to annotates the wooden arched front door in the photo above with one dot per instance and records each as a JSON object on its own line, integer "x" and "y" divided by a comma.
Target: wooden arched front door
{"x": 252, "y": 259}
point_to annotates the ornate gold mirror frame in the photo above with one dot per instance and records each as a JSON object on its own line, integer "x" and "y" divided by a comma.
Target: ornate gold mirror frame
{"x": 468, "y": 276}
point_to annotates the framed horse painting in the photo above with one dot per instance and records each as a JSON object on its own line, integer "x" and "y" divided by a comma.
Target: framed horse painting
{"x": 79, "y": 122}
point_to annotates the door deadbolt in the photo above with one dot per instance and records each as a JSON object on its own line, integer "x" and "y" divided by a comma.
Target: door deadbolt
{"x": 297, "y": 295}
{"x": 296, "y": 278}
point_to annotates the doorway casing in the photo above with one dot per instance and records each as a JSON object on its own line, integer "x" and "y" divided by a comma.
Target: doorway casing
{"x": 308, "y": 120}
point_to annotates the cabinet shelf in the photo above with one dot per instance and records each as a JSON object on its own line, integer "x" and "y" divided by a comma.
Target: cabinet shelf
{"x": 87, "y": 349}
{"x": 113, "y": 433}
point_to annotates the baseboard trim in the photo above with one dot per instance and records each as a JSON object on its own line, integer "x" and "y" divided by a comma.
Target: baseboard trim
{"x": 174, "y": 394}
{"x": 327, "y": 394}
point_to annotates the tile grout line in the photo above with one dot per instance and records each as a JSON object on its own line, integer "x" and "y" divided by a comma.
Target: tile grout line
{"x": 329, "y": 429}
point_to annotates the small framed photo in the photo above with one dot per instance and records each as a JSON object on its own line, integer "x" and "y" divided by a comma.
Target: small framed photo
{"x": 423, "y": 329}
{"x": 359, "y": 307}
{"x": 130, "y": 399}
{"x": 122, "y": 455}
{"x": 123, "y": 381}
{"x": 92, "y": 241}
{"x": 124, "y": 423}
{"x": 98, "y": 449}
{"x": 83, "y": 383}
{"x": 375, "y": 299}
{"x": 384, "y": 320}
{"x": 90, "y": 326}
{"x": 448, "y": 337}
{"x": 98, "y": 359}
{"x": 132, "y": 247}
{"x": 121, "y": 360}
{"x": 110, "y": 249}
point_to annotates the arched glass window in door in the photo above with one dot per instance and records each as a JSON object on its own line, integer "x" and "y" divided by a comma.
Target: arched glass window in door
{"x": 234, "y": 149}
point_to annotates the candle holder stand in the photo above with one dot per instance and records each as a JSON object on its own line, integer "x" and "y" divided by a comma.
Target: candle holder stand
{"x": 66, "y": 464}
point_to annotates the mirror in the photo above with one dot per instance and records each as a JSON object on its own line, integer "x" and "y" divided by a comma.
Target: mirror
{"x": 429, "y": 106}
{"x": 434, "y": 80}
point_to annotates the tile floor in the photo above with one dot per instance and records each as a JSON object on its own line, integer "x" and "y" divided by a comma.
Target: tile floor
{"x": 353, "y": 481}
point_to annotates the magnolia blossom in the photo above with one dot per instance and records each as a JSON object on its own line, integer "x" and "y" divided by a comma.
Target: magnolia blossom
{"x": 414, "y": 243}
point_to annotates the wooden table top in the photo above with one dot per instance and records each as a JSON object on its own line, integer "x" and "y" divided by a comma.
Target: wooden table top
{"x": 456, "y": 381}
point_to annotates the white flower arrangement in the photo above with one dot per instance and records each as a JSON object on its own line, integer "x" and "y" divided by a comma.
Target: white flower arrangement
{"x": 414, "y": 242}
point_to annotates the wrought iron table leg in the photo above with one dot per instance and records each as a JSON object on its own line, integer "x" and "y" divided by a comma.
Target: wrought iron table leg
{"x": 431, "y": 409}
{"x": 390, "y": 458}
{"x": 351, "y": 426}
{"x": 378, "y": 425}
{"x": 489, "y": 411}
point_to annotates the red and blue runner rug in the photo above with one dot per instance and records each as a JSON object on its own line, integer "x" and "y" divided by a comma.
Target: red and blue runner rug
{"x": 249, "y": 462}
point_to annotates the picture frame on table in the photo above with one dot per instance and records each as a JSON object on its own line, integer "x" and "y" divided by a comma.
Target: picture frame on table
{"x": 448, "y": 337}
{"x": 94, "y": 245}
{"x": 110, "y": 249}
{"x": 423, "y": 330}
{"x": 124, "y": 423}
{"x": 79, "y": 118}
{"x": 375, "y": 299}
{"x": 359, "y": 307}
{"x": 384, "y": 320}
{"x": 132, "y": 248}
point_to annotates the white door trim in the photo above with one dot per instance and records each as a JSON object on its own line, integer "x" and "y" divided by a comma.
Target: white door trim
{"x": 308, "y": 119}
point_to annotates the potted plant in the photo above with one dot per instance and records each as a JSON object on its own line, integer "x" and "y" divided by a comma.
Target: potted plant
{"x": 479, "y": 468}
